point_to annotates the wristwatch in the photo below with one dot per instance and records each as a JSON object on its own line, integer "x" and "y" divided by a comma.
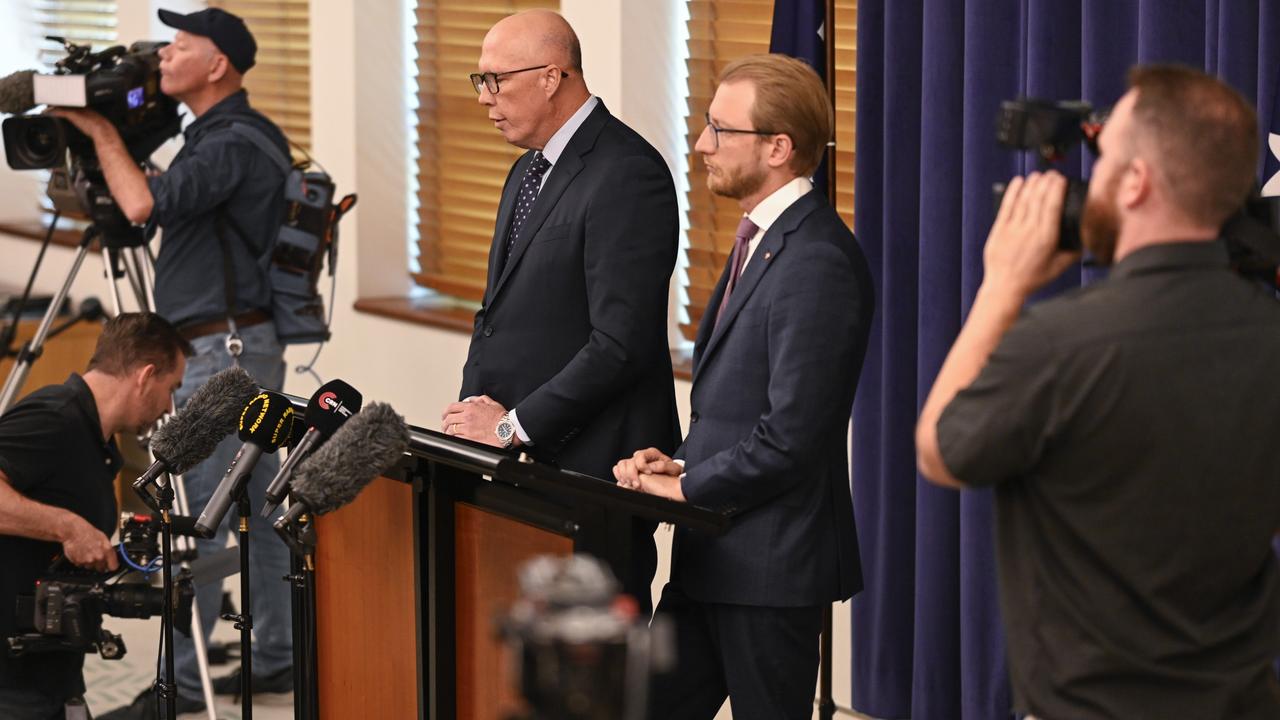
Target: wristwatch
{"x": 506, "y": 431}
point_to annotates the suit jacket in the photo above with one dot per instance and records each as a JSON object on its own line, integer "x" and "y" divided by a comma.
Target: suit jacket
{"x": 773, "y": 387}
{"x": 573, "y": 329}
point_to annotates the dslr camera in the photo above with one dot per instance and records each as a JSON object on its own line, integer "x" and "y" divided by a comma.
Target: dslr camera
{"x": 65, "y": 613}
{"x": 1051, "y": 129}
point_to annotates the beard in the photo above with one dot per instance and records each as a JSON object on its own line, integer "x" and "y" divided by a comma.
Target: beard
{"x": 1100, "y": 223}
{"x": 738, "y": 183}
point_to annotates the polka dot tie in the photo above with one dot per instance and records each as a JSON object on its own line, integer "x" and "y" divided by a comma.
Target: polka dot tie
{"x": 524, "y": 202}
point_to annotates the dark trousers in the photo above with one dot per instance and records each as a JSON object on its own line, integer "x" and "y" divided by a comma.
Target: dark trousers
{"x": 764, "y": 659}
{"x": 32, "y": 705}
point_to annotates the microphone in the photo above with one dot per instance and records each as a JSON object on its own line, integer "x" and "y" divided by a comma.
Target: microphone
{"x": 331, "y": 406}
{"x": 193, "y": 433}
{"x": 361, "y": 450}
{"x": 264, "y": 427}
{"x": 17, "y": 93}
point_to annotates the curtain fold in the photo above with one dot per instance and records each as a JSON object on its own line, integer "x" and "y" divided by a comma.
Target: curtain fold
{"x": 927, "y": 636}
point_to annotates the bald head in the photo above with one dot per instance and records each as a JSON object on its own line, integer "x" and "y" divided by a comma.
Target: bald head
{"x": 538, "y": 36}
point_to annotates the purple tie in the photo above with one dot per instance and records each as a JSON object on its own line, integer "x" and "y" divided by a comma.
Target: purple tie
{"x": 741, "y": 243}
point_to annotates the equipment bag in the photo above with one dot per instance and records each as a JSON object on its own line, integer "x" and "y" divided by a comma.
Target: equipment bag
{"x": 307, "y": 235}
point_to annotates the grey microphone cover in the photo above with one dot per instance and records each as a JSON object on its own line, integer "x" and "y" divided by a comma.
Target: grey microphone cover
{"x": 365, "y": 447}
{"x": 210, "y": 415}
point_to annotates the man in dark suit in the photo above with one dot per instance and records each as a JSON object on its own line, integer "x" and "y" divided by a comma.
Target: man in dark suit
{"x": 569, "y": 358}
{"x": 775, "y": 368}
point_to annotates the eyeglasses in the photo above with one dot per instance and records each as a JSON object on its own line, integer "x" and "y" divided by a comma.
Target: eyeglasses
{"x": 716, "y": 130}
{"x": 479, "y": 81}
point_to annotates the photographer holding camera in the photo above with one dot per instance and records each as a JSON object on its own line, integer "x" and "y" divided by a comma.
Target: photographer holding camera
{"x": 58, "y": 461}
{"x": 1129, "y": 428}
{"x": 220, "y": 204}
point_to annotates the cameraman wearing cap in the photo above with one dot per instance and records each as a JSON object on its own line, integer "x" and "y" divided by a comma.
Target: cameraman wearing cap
{"x": 1129, "y": 427}
{"x": 219, "y": 204}
{"x": 58, "y": 462}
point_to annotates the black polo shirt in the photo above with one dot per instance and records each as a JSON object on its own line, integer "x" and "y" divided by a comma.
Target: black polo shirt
{"x": 1132, "y": 431}
{"x": 52, "y": 451}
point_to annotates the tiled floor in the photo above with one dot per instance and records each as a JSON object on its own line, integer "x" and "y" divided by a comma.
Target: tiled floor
{"x": 113, "y": 683}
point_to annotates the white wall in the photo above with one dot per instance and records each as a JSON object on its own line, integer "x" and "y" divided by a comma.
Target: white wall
{"x": 631, "y": 50}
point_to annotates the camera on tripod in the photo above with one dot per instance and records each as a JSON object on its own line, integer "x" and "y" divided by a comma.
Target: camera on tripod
{"x": 121, "y": 85}
{"x": 65, "y": 613}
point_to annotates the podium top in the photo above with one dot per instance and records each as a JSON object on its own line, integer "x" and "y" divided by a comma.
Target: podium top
{"x": 516, "y": 469}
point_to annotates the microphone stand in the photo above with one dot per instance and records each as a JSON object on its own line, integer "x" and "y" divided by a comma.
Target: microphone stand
{"x": 303, "y": 596}
{"x": 244, "y": 620}
{"x": 162, "y": 503}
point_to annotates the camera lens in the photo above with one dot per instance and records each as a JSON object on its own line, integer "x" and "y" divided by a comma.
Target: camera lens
{"x": 34, "y": 142}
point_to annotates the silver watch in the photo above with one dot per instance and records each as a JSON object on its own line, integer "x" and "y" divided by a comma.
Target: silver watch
{"x": 506, "y": 431}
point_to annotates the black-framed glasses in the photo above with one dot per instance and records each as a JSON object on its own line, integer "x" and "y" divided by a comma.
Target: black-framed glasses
{"x": 716, "y": 130}
{"x": 479, "y": 81}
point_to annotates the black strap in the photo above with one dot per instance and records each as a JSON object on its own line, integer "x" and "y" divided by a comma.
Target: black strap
{"x": 221, "y": 217}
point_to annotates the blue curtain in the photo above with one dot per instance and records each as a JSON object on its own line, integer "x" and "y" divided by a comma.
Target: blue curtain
{"x": 927, "y": 637}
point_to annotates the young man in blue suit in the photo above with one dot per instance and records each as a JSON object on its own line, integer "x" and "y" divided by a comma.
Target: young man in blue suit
{"x": 569, "y": 357}
{"x": 776, "y": 365}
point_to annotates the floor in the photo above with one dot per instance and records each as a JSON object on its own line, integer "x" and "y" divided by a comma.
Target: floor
{"x": 113, "y": 683}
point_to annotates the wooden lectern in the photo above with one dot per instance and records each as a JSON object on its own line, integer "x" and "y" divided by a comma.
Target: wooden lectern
{"x": 410, "y": 577}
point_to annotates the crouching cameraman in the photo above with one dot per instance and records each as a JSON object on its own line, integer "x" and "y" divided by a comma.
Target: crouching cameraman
{"x": 58, "y": 459}
{"x": 1130, "y": 427}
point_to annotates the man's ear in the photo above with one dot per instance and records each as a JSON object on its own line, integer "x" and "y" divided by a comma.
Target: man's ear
{"x": 144, "y": 374}
{"x": 551, "y": 76}
{"x": 219, "y": 67}
{"x": 781, "y": 150}
{"x": 1136, "y": 183}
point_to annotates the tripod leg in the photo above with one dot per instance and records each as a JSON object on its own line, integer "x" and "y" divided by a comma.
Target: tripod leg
{"x": 111, "y": 270}
{"x": 18, "y": 375}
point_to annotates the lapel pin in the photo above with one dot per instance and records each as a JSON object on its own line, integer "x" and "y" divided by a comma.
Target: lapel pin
{"x": 767, "y": 254}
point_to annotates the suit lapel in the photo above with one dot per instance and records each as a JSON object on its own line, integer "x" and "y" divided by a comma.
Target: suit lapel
{"x": 505, "y": 207}
{"x": 561, "y": 176}
{"x": 764, "y": 257}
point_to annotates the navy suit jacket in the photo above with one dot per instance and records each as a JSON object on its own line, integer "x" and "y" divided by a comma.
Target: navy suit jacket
{"x": 773, "y": 387}
{"x": 573, "y": 329}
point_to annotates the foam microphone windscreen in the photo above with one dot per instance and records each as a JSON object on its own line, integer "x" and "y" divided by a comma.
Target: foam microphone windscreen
{"x": 16, "y": 92}
{"x": 365, "y": 447}
{"x": 267, "y": 421}
{"x": 210, "y": 415}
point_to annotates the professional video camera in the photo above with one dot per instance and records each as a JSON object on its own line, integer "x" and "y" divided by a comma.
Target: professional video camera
{"x": 124, "y": 87}
{"x": 1252, "y": 236}
{"x": 583, "y": 654}
{"x": 65, "y": 613}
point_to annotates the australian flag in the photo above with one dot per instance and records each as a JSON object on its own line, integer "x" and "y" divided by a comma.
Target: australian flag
{"x": 1271, "y": 152}
{"x": 799, "y": 30}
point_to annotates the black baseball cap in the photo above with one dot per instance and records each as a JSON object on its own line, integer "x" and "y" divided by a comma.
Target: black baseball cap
{"x": 227, "y": 31}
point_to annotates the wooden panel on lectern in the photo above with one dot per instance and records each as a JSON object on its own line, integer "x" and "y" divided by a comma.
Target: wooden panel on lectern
{"x": 365, "y": 609}
{"x": 67, "y": 353}
{"x": 490, "y": 551}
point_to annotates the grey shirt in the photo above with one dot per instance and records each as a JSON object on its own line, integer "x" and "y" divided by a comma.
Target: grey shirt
{"x": 217, "y": 168}
{"x": 1132, "y": 432}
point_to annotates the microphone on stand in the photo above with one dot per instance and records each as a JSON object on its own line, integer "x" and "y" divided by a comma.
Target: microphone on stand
{"x": 331, "y": 406}
{"x": 361, "y": 450}
{"x": 193, "y": 433}
{"x": 265, "y": 425}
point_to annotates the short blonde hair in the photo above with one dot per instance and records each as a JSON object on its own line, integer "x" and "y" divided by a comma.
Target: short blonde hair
{"x": 791, "y": 100}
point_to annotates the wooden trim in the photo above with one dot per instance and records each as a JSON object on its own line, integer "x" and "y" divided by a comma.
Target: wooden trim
{"x": 433, "y": 311}
{"x": 35, "y": 230}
